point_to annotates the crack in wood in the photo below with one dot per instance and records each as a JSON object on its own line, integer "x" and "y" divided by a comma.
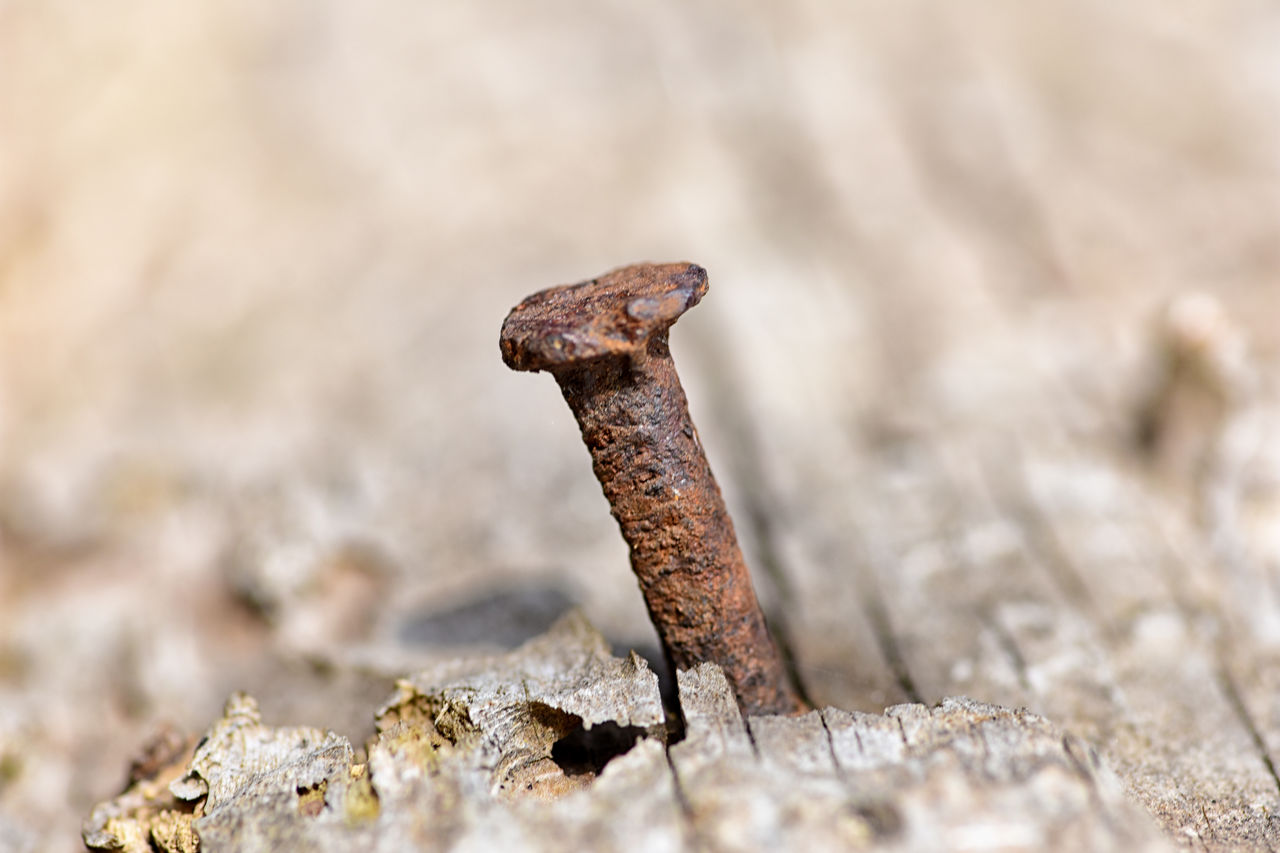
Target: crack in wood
{"x": 886, "y": 639}
{"x": 831, "y": 747}
{"x": 1009, "y": 645}
{"x": 1015, "y": 497}
{"x": 688, "y": 825}
{"x": 1232, "y": 693}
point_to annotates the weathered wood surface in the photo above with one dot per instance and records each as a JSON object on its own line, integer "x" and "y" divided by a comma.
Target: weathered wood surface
{"x": 256, "y": 435}
{"x": 560, "y": 746}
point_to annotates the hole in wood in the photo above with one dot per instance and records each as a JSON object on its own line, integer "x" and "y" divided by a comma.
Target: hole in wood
{"x": 585, "y": 752}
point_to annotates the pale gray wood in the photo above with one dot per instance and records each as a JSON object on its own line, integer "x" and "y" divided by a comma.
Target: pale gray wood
{"x": 464, "y": 758}
{"x": 255, "y": 432}
{"x": 1021, "y": 553}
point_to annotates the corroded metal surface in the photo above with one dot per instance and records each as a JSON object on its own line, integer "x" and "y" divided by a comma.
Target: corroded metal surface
{"x": 605, "y": 341}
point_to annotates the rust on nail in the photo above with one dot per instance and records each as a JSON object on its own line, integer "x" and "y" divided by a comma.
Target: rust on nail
{"x": 605, "y": 342}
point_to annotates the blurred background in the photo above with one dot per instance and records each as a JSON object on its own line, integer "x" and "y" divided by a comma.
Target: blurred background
{"x": 254, "y": 428}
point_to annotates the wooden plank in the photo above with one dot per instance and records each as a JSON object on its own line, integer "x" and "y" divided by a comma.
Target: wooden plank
{"x": 465, "y": 757}
{"x": 1030, "y": 572}
{"x": 1179, "y": 734}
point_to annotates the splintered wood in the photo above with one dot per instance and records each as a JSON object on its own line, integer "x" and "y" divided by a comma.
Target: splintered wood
{"x": 561, "y": 746}
{"x": 1069, "y": 561}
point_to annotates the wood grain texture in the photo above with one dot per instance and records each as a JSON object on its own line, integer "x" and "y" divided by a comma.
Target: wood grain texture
{"x": 987, "y": 373}
{"x": 473, "y": 763}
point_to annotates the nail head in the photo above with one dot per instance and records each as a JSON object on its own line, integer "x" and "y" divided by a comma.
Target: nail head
{"x": 613, "y": 315}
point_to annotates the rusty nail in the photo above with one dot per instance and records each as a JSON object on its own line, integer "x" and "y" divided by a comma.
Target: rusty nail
{"x": 605, "y": 342}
